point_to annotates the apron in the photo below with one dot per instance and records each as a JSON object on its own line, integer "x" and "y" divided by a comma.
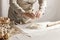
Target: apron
{"x": 27, "y": 5}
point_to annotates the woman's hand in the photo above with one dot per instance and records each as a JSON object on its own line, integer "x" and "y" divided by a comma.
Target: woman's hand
{"x": 38, "y": 13}
{"x": 30, "y": 15}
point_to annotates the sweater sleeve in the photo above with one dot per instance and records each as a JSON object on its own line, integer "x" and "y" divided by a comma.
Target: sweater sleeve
{"x": 42, "y": 5}
{"x": 15, "y": 6}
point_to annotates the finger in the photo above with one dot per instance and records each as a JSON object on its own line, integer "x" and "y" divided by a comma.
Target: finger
{"x": 37, "y": 14}
{"x": 30, "y": 15}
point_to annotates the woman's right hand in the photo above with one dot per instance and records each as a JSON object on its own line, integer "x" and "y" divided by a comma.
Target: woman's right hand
{"x": 30, "y": 15}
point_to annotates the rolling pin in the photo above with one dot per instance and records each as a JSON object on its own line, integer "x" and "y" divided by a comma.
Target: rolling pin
{"x": 53, "y": 23}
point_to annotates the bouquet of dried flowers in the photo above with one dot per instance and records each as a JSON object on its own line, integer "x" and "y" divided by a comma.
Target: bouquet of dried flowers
{"x": 8, "y": 29}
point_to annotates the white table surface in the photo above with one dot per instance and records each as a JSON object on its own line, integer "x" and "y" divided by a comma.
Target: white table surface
{"x": 43, "y": 33}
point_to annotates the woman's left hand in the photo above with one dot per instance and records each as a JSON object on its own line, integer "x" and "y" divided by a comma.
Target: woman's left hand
{"x": 37, "y": 14}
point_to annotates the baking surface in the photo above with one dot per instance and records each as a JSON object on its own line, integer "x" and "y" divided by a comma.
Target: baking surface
{"x": 43, "y": 33}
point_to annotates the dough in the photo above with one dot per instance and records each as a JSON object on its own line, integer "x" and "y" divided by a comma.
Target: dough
{"x": 33, "y": 26}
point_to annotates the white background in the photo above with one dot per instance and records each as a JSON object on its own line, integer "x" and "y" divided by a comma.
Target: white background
{"x": 0, "y": 7}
